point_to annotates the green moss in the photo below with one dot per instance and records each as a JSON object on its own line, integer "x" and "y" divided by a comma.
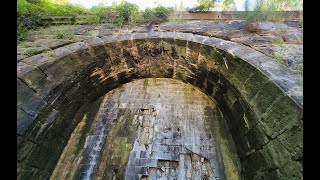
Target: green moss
{"x": 228, "y": 157}
{"x": 239, "y": 75}
{"x": 253, "y": 84}
{"x": 292, "y": 170}
{"x": 265, "y": 97}
{"x": 218, "y": 127}
{"x": 31, "y": 51}
{"x": 292, "y": 139}
{"x": 283, "y": 115}
{"x": 211, "y": 54}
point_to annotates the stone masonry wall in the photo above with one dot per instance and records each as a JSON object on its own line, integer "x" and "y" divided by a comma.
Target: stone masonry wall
{"x": 212, "y": 15}
{"x": 256, "y": 96}
{"x": 152, "y": 129}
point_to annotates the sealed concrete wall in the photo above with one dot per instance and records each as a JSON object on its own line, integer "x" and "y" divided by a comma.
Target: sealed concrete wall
{"x": 151, "y": 129}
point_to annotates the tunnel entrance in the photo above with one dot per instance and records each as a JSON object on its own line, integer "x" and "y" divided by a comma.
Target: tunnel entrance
{"x": 151, "y": 129}
{"x": 61, "y": 93}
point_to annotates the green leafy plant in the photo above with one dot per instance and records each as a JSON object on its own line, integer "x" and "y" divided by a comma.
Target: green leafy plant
{"x": 161, "y": 13}
{"x": 30, "y": 52}
{"x": 279, "y": 55}
{"x": 48, "y": 7}
{"x": 148, "y": 15}
{"x": 22, "y": 33}
{"x": 25, "y": 22}
{"x": 261, "y": 13}
{"x": 205, "y": 5}
{"x": 270, "y": 10}
{"x": 30, "y": 11}
{"x": 64, "y": 32}
{"x": 229, "y": 5}
{"x": 98, "y": 12}
{"x": 127, "y": 14}
{"x": 156, "y": 15}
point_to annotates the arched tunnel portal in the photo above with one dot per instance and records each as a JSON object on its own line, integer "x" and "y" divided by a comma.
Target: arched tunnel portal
{"x": 83, "y": 113}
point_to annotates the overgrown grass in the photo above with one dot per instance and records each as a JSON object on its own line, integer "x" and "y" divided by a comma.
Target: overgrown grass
{"x": 120, "y": 14}
{"x": 272, "y": 10}
{"x": 64, "y": 33}
{"x": 269, "y": 10}
{"x": 279, "y": 55}
{"x": 30, "y": 11}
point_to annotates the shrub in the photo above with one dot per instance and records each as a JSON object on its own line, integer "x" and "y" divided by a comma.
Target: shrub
{"x": 270, "y": 10}
{"x": 98, "y": 13}
{"x": 156, "y": 15}
{"x": 30, "y": 11}
{"x": 127, "y": 14}
{"x": 205, "y": 5}
{"x": 148, "y": 15}
{"x": 64, "y": 32}
{"x": 161, "y": 13}
{"x": 48, "y": 7}
{"x": 25, "y": 22}
{"x": 22, "y": 33}
{"x": 262, "y": 12}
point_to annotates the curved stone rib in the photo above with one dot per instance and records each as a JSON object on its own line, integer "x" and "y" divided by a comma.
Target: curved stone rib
{"x": 274, "y": 71}
{"x": 260, "y": 99}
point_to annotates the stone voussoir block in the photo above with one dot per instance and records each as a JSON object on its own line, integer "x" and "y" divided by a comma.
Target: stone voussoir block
{"x": 139, "y": 36}
{"x": 252, "y": 85}
{"x": 256, "y": 60}
{"x": 296, "y": 93}
{"x": 36, "y": 79}
{"x": 23, "y": 121}
{"x": 93, "y": 41}
{"x": 200, "y": 39}
{"x": 169, "y": 35}
{"x": 257, "y": 163}
{"x": 23, "y": 149}
{"x": 155, "y": 34}
{"x": 284, "y": 114}
{"x": 124, "y": 37}
{"x": 214, "y": 42}
{"x": 23, "y": 69}
{"x": 38, "y": 59}
{"x": 277, "y": 152}
{"x": 257, "y": 137}
{"x": 28, "y": 100}
{"x": 184, "y": 36}
{"x": 110, "y": 39}
{"x": 62, "y": 51}
{"x": 286, "y": 84}
{"x": 292, "y": 139}
{"x": 293, "y": 170}
{"x": 74, "y": 47}
{"x": 269, "y": 93}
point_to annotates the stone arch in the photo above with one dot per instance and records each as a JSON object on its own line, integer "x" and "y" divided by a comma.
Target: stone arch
{"x": 260, "y": 99}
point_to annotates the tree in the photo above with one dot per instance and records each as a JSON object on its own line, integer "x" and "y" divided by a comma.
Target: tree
{"x": 246, "y": 5}
{"x": 229, "y": 5}
{"x": 206, "y": 4}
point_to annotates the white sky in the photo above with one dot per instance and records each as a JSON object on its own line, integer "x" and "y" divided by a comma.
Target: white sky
{"x": 150, "y": 3}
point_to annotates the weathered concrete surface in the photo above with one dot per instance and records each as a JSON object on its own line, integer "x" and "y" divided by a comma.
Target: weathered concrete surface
{"x": 260, "y": 99}
{"x": 151, "y": 129}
